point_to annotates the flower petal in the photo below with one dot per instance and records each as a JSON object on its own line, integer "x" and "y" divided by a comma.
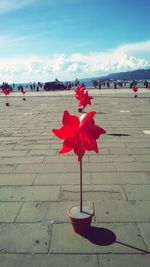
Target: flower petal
{"x": 94, "y": 131}
{"x": 71, "y": 120}
{"x": 87, "y": 119}
{"x": 91, "y": 146}
{"x": 65, "y": 149}
{"x": 87, "y": 142}
{"x": 64, "y": 132}
{"x": 68, "y": 145}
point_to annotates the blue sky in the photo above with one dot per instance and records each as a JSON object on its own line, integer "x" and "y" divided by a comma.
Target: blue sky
{"x": 44, "y": 39}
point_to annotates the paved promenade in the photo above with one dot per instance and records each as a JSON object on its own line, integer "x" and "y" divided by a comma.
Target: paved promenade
{"x": 37, "y": 185}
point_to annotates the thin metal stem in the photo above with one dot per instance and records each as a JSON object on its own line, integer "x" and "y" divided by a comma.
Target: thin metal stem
{"x": 81, "y": 185}
{"x": 81, "y": 178}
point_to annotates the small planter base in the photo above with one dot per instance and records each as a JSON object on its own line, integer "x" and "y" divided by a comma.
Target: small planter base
{"x": 135, "y": 96}
{"x": 81, "y": 221}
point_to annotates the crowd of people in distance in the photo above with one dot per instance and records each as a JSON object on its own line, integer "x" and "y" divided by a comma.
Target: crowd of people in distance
{"x": 68, "y": 85}
{"x": 116, "y": 84}
{"x": 106, "y": 83}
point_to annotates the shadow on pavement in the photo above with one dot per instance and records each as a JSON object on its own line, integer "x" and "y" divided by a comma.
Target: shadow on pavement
{"x": 100, "y": 236}
{"x": 105, "y": 237}
{"x": 118, "y": 134}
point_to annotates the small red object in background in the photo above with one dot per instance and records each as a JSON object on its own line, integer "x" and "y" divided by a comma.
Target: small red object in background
{"x": 148, "y": 87}
{"x": 82, "y": 96}
{"x": 6, "y": 91}
{"x": 135, "y": 89}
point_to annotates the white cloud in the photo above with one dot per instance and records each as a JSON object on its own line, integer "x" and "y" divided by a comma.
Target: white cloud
{"x": 68, "y": 67}
{"x": 11, "y": 5}
{"x": 140, "y": 47}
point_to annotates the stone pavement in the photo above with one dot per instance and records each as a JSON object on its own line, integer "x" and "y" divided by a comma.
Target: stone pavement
{"x": 37, "y": 185}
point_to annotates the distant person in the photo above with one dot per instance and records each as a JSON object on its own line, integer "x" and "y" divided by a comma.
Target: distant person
{"x": 131, "y": 85}
{"x": 115, "y": 85}
{"x": 95, "y": 84}
{"x": 99, "y": 84}
{"x": 108, "y": 84}
{"x": 146, "y": 84}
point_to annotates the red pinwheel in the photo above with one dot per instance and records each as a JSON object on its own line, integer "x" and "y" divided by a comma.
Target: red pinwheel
{"x": 82, "y": 96}
{"x": 78, "y": 90}
{"x": 148, "y": 87}
{"x": 6, "y": 91}
{"x": 23, "y": 91}
{"x": 135, "y": 89}
{"x": 79, "y": 134}
{"x": 85, "y": 99}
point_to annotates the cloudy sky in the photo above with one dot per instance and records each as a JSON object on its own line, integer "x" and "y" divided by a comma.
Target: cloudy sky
{"x": 44, "y": 39}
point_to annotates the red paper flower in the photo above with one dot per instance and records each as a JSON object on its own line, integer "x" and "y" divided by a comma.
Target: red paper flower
{"x": 79, "y": 91}
{"x": 83, "y": 97}
{"x": 79, "y": 134}
{"x": 5, "y": 91}
{"x": 85, "y": 100}
{"x": 148, "y": 87}
{"x": 23, "y": 91}
{"x": 135, "y": 89}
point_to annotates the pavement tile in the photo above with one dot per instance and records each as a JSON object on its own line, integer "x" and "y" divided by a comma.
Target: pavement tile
{"x": 124, "y": 260}
{"x": 56, "y": 260}
{"x": 101, "y": 167}
{"x": 41, "y": 152}
{"x": 112, "y": 158}
{"x": 60, "y": 178}
{"x": 120, "y": 178}
{"x": 7, "y": 168}
{"x": 32, "y": 146}
{"x": 128, "y": 239}
{"x": 36, "y": 138}
{"x": 29, "y": 193}
{"x": 11, "y": 138}
{"x": 139, "y": 166}
{"x": 129, "y": 211}
{"x": 63, "y": 159}
{"x": 19, "y": 160}
{"x": 114, "y": 144}
{"x": 92, "y": 192}
{"x": 48, "y": 168}
{"x": 145, "y": 230}
{"x": 142, "y": 158}
{"x": 138, "y": 144}
{"x": 129, "y": 151}
{"x": 137, "y": 192}
{"x": 12, "y": 153}
{"x": 44, "y": 211}
{"x": 6, "y": 147}
{"x": 9, "y": 211}
{"x": 17, "y": 179}
{"x": 25, "y": 238}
